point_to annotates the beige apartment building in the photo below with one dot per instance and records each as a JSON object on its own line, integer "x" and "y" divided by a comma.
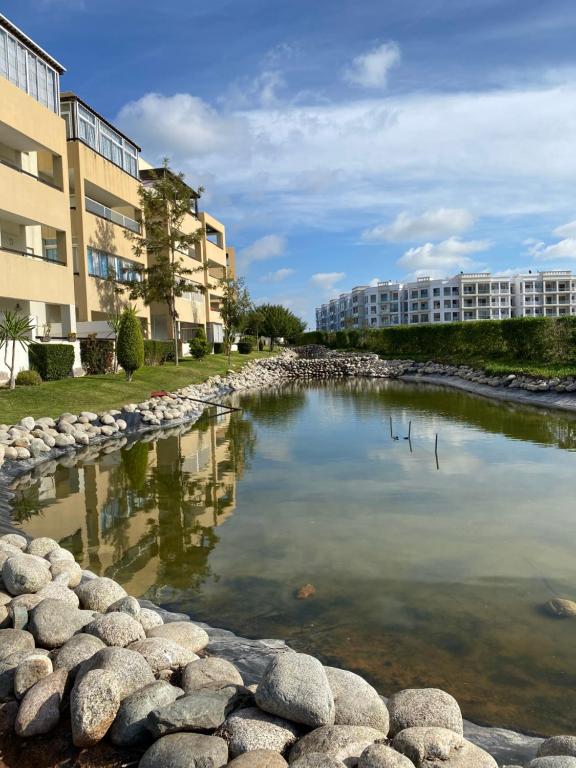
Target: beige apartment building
{"x": 36, "y": 269}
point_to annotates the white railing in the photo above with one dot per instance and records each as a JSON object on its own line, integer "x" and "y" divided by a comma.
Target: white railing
{"x": 107, "y": 213}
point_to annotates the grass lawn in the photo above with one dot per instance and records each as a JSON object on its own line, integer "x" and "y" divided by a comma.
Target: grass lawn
{"x": 98, "y": 393}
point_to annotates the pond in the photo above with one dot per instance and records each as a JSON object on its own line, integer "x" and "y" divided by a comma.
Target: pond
{"x": 423, "y": 572}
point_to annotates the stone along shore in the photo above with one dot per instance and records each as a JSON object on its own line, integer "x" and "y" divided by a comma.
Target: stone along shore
{"x": 77, "y": 652}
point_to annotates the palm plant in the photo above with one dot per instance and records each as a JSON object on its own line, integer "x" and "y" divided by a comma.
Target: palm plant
{"x": 15, "y": 328}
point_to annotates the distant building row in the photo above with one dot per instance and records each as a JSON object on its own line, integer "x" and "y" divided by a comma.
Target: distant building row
{"x": 467, "y": 296}
{"x": 69, "y": 183}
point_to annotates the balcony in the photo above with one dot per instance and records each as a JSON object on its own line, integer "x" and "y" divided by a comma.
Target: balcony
{"x": 92, "y": 206}
{"x": 42, "y": 178}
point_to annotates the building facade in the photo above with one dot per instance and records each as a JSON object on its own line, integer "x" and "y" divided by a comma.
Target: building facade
{"x": 69, "y": 193}
{"x": 464, "y": 297}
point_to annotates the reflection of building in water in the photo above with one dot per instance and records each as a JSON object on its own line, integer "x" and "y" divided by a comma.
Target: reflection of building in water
{"x": 145, "y": 515}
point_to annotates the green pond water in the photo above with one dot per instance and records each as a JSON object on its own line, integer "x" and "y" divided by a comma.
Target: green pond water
{"x": 424, "y": 574}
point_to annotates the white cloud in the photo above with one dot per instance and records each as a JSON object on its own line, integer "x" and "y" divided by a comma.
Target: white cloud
{"x": 565, "y": 249}
{"x": 267, "y": 247}
{"x": 326, "y": 281}
{"x": 374, "y": 282}
{"x": 278, "y": 276}
{"x": 370, "y": 70}
{"x": 566, "y": 230}
{"x": 439, "y": 259}
{"x": 432, "y": 224}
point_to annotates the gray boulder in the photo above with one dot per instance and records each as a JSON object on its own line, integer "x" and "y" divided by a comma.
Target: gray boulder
{"x": 356, "y": 701}
{"x": 149, "y": 619}
{"x": 249, "y": 729}
{"x": 381, "y": 756}
{"x": 14, "y": 640}
{"x": 94, "y": 703}
{"x": 8, "y": 668}
{"x": 30, "y": 671}
{"x": 427, "y": 746}
{"x": 129, "y": 728}
{"x": 553, "y": 761}
{"x": 98, "y": 594}
{"x": 118, "y": 629}
{"x": 185, "y": 633}
{"x": 75, "y": 651}
{"x": 8, "y": 713}
{"x": 16, "y": 540}
{"x": 317, "y": 760}
{"x": 203, "y": 710}
{"x": 295, "y": 686}
{"x": 128, "y": 605}
{"x": 210, "y": 673}
{"x": 558, "y": 745}
{"x": 23, "y": 574}
{"x": 163, "y": 654}
{"x": 426, "y": 708}
{"x": 72, "y": 570}
{"x": 41, "y": 546}
{"x": 53, "y": 622}
{"x": 58, "y": 591}
{"x": 186, "y": 750}
{"x": 40, "y": 708}
{"x": 341, "y": 742}
{"x": 130, "y": 668}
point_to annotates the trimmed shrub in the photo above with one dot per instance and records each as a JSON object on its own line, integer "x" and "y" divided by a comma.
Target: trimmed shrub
{"x": 130, "y": 344}
{"x": 158, "y": 352}
{"x": 246, "y": 345}
{"x": 341, "y": 340}
{"x": 311, "y": 337}
{"x": 199, "y": 344}
{"x": 218, "y": 347}
{"x": 354, "y": 339}
{"x": 97, "y": 355}
{"x": 28, "y": 379}
{"x": 52, "y": 361}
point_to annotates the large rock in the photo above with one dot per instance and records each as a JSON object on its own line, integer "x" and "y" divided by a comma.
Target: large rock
{"x": 128, "y": 605}
{"x": 42, "y": 546}
{"x": 553, "y": 761}
{"x": 58, "y": 555}
{"x": 185, "y": 633}
{"x": 561, "y": 608}
{"x": 75, "y": 651}
{"x": 58, "y": 591}
{"x": 118, "y": 629}
{"x": 54, "y": 622}
{"x": 149, "y": 619}
{"x": 341, "y": 742}
{"x": 15, "y": 539}
{"x": 30, "y": 671}
{"x": 99, "y": 594}
{"x": 14, "y": 640}
{"x": 424, "y": 708}
{"x": 381, "y": 756}
{"x": 8, "y": 714}
{"x": 427, "y": 746}
{"x": 40, "y": 708}
{"x": 72, "y": 570}
{"x": 23, "y": 574}
{"x": 356, "y": 701}
{"x": 186, "y": 750}
{"x": 94, "y": 703}
{"x": 129, "y": 667}
{"x": 558, "y": 745}
{"x": 317, "y": 760}
{"x": 8, "y": 667}
{"x": 259, "y": 758}
{"x": 210, "y": 673}
{"x": 249, "y": 729}
{"x": 129, "y": 728}
{"x": 295, "y": 686}
{"x": 163, "y": 654}
{"x": 203, "y": 710}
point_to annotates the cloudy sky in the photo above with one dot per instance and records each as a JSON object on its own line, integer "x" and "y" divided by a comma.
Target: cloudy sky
{"x": 342, "y": 141}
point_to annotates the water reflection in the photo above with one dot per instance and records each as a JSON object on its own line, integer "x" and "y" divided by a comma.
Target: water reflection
{"x": 422, "y": 576}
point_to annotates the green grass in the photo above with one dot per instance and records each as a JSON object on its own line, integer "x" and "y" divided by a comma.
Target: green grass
{"x": 99, "y": 393}
{"x": 504, "y": 367}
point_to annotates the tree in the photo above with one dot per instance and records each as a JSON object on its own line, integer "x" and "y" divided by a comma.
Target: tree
{"x": 253, "y": 324}
{"x": 130, "y": 345}
{"x": 15, "y": 328}
{"x": 114, "y": 320}
{"x": 199, "y": 344}
{"x": 165, "y": 205}
{"x": 279, "y": 322}
{"x": 234, "y": 307}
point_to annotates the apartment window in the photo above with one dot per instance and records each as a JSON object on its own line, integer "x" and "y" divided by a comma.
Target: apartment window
{"x": 504, "y": 286}
{"x": 414, "y": 306}
{"x": 424, "y": 293}
{"x": 50, "y": 248}
{"x": 87, "y": 127}
{"x": 28, "y": 72}
{"x": 383, "y": 297}
{"x": 436, "y": 316}
{"x": 111, "y": 145}
{"x": 413, "y": 294}
{"x": 455, "y": 315}
{"x": 395, "y": 295}
{"x": 447, "y": 316}
{"x": 447, "y": 291}
{"x": 447, "y": 302}
{"x": 423, "y": 305}
{"x": 109, "y": 266}
{"x": 373, "y": 299}
{"x": 436, "y": 291}
{"x": 528, "y": 286}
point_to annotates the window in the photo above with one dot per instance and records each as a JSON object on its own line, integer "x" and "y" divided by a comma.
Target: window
{"x": 87, "y": 126}
{"x": 447, "y": 316}
{"x": 436, "y": 291}
{"x": 447, "y": 302}
{"x": 424, "y": 293}
{"x": 373, "y": 298}
{"x": 413, "y": 294}
{"x": 28, "y": 71}
{"x": 528, "y": 286}
{"x": 436, "y": 316}
{"x": 446, "y": 291}
{"x": 108, "y": 266}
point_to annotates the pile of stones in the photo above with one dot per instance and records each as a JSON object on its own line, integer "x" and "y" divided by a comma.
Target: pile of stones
{"x": 76, "y": 647}
{"x": 335, "y": 366}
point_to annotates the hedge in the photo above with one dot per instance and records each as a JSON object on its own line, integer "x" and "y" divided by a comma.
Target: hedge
{"x": 97, "y": 355}
{"x": 52, "y": 361}
{"x": 529, "y": 339}
{"x": 158, "y": 352}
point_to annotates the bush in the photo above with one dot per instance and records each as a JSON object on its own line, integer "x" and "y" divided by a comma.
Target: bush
{"x": 28, "y": 379}
{"x": 261, "y": 345}
{"x": 158, "y": 352}
{"x": 52, "y": 361}
{"x": 246, "y": 345}
{"x": 199, "y": 344}
{"x": 341, "y": 340}
{"x": 218, "y": 347}
{"x": 97, "y": 355}
{"x": 130, "y": 345}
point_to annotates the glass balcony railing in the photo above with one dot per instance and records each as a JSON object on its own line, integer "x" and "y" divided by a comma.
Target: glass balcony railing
{"x": 107, "y": 213}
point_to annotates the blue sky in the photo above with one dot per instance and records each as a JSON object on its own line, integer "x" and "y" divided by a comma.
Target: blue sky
{"x": 342, "y": 141}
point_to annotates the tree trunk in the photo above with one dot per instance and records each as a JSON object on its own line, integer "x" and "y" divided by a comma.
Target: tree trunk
{"x": 272, "y": 340}
{"x": 175, "y": 334}
{"x": 12, "y": 367}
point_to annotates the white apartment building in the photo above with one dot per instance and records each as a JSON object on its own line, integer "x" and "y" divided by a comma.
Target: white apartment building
{"x": 466, "y": 296}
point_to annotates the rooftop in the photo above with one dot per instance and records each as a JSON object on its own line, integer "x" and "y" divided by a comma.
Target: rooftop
{"x": 68, "y": 96}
